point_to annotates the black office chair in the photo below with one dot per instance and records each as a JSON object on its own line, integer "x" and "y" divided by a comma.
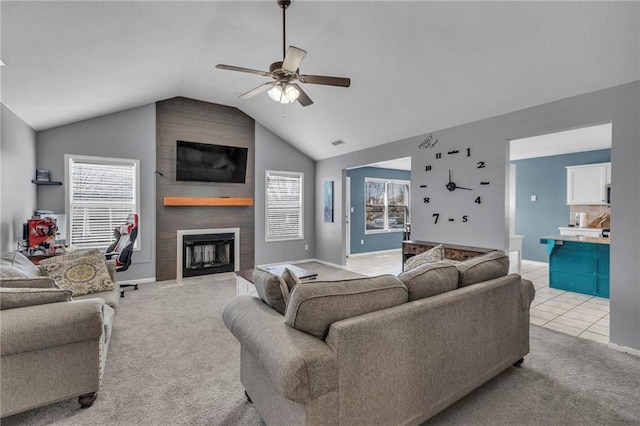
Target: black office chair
{"x": 122, "y": 247}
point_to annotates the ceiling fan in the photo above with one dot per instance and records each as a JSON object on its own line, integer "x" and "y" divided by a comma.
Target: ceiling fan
{"x": 285, "y": 73}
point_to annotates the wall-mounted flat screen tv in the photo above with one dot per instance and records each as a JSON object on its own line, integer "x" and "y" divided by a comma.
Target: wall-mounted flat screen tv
{"x": 205, "y": 162}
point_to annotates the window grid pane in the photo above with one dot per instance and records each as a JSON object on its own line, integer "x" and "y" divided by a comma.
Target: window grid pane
{"x": 101, "y": 197}
{"x": 386, "y": 204}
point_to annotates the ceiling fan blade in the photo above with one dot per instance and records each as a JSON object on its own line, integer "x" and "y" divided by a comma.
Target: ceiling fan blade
{"x": 303, "y": 98}
{"x": 293, "y": 58}
{"x": 328, "y": 81}
{"x": 248, "y": 70}
{"x": 251, "y": 93}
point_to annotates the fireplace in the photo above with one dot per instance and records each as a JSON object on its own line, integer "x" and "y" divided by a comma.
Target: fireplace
{"x": 207, "y": 251}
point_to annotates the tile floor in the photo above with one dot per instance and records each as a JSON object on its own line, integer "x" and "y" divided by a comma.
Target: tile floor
{"x": 572, "y": 313}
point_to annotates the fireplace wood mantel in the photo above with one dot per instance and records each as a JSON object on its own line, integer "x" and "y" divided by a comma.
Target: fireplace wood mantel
{"x": 207, "y": 201}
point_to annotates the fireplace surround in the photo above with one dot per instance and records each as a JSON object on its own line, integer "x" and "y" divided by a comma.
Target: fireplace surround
{"x": 207, "y": 251}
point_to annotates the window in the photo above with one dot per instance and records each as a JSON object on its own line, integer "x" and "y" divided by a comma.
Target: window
{"x": 101, "y": 192}
{"x": 283, "y": 205}
{"x": 386, "y": 205}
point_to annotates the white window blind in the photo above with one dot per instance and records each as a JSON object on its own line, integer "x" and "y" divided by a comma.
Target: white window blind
{"x": 284, "y": 212}
{"x": 101, "y": 194}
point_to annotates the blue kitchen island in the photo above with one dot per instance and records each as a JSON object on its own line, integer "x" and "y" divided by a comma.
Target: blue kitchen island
{"x": 578, "y": 263}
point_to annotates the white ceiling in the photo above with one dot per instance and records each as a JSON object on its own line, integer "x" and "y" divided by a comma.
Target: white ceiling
{"x": 576, "y": 140}
{"x": 415, "y": 67}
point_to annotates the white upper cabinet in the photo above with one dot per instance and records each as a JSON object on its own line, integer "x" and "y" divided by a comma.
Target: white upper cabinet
{"x": 587, "y": 184}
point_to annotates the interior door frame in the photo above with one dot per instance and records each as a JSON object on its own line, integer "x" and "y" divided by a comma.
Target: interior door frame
{"x": 347, "y": 213}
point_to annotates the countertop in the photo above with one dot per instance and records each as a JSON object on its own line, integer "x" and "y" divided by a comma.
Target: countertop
{"x": 577, "y": 239}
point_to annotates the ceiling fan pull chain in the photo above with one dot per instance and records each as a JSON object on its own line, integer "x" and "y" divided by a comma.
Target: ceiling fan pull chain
{"x": 284, "y": 31}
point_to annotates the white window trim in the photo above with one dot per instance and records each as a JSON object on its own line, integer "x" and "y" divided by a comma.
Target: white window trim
{"x": 100, "y": 160}
{"x": 266, "y": 220}
{"x": 386, "y": 204}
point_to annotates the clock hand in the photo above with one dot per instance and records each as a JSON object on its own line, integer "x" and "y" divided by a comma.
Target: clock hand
{"x": 459, "y": 187}
{"x": 450, "y": 176}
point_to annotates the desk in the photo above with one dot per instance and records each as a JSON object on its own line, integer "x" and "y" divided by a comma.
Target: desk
{"x": 35, "y": 259}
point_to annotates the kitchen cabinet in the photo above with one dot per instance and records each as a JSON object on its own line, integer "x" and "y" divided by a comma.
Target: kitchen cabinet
{"x": 579, "y": 264}
{"x": 587, "y": 184}
{"x": 576, "y": 230}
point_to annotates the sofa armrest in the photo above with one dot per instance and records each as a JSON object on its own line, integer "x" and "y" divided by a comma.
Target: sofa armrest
{"x": 301, "y": 366}
{"x": 55, "y": 324}
{"x": 111, "y": 267}
{"x": 528, "y": 293}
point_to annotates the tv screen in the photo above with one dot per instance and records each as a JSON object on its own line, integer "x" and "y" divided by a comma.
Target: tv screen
{"x": 205, "y": 162}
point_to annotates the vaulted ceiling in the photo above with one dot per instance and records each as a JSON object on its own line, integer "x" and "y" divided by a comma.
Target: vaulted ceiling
{"x": 415, "y": 66}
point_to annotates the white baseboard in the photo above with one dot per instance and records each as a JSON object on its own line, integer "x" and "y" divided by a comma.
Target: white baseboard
{"x": 369, "y": 253}
{"x": 140, "y": 281}
{"x": 535, "y": 262}
{"x": 625, "y": 349}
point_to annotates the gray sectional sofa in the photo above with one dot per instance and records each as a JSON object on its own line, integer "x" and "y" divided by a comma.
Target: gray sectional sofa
{"x": 52, "y": 351}
{"x": 382, "y": 350}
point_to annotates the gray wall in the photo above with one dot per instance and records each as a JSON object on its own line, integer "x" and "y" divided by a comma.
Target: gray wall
{"x": 202, "y": 122}
{"x": 546, "y": 177}
{"x": 17, "y": 168}
{"x": 126, "y": 134}
{"x": 618, "y": 105}
{"x": 272, "y": 153}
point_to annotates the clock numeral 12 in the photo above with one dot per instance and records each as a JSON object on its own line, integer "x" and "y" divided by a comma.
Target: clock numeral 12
{"x": 481, "y": 164}
{"x": 436, "y": 215}
{"x": 478, "y": 201}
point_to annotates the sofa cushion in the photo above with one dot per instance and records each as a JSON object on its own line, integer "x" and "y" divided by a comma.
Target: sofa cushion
{"x": 83, "y": 275}
{"x": 69, "y": 256}
{"x": 434, "y": 254}
{"x": 16, "y": 265}
{"x": 11, "y": 298}
{"x": 482, "y": 268}
{"x": 111, "y": 297}
{"x": 35, "y": 282}
{"x": 313, "y": 307}
{"x": 271, "y": 289}
{"x": 430, "y": 279}
{"x": 290, "y": 278}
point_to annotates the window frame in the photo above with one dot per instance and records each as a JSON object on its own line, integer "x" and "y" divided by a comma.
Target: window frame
{"x": 386, "y": 204}
{"x": 68, "y": 158}
{"x": 283, "y": 173}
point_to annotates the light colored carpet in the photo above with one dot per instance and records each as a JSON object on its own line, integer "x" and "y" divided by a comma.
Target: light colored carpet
{"x": 172, "y": 362}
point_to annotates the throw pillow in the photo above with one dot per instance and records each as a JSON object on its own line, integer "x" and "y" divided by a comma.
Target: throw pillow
{"x": 290, "y": 278}
{"x": 314, "y": 306}
{"x": 430, "y": 279}
{"x": 36, "y": 282}
{"x": 16, "y": 265}
{"x": 432, "y": 255}
{"x": 271, "y": 289}
{"x": 83, "y": 275}
{"x": 482, "y": 268}
{"x": 11, "y": 298}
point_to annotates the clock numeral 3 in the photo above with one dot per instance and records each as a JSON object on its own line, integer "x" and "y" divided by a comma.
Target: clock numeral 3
{"x": 481, "y": 164}
{"x": 465, "y": 218}
{"x": 436, "y": 215}
{"x": 426, "y": 200}
{"x": 478, "y": 201}
{"x": 427, "y": 168}
{"x": 439, "y": 155}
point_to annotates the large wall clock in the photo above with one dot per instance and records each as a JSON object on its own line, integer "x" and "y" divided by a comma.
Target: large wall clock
{"x": 453, "y": 185}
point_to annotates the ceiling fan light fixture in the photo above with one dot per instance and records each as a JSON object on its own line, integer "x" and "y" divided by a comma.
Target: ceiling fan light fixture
{"x": 284, "y": 93}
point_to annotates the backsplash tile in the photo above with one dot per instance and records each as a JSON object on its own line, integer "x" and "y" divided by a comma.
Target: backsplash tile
{"x": 592, "y": 212}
